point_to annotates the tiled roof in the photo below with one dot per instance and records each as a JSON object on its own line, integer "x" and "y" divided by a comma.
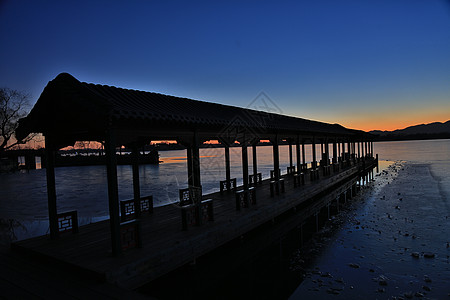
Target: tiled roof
{"x": 65, "y": 99}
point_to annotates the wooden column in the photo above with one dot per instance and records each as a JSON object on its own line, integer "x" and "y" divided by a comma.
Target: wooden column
{"x": 227, "y": 166}
{"x": 290, "y": 153}
{"x": 349, "y": 149}
{"x": 255, "y": 162}
{"x": 322, "y": 153}
{"x": 276, "y": 158}
{"x": 334, "y": 152}
{"x": 51, "y": 187}
{"x": 303, "y": 152}
{"x": 244, "y": 164}
{"x": 327, "y": 152}
{"x": 190, "y": 165}
{"x": 314, "y": 162}
{"x": 359, "y": 150}
{"x": 196, "y": 161}
{"x": 371, "y": 148}
{"x": 297, "y": 150}
{"x": 343, "y": 150}
{"x": 136, "y": 183}
{"x": 339, "y": 150}
{"x": 113, "y": 193}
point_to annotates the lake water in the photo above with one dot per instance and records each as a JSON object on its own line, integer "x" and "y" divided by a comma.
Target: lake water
{"x": 23, "y": 200}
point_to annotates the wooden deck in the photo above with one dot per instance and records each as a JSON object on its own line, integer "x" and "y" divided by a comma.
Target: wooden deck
{"x": 165, "y": 246}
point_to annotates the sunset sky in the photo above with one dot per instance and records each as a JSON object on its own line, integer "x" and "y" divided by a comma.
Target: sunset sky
{"x": 364, "y": 64}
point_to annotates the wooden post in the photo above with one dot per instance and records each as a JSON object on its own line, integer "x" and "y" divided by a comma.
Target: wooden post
{"x": 136, "y": 184}
{"x": 303, "y": 152}
{"x": 196, "y": 161}
{"x": 349, "y": 149}
{"x": 190, "y": 165}
{"x": 314, "y": 162}
{"x": 334, "y": 152}
{"x": 227, "y": 166}
{"x": 297, "y": 150}
{"x": 322, "y": 152}
{"x": 113, "y": 192}
{"x": 371, "y": 149}
{"x": 359, "y": 150}
{"x": 339, "y": 150}
{"x": 290, "y": 153}
{"x": 51, "y": 187}
{"x": 276, "y": 158}
{"x": 245, "y": 164}
{"x": 255, "y": 163}
{"x": 365, "y": 148}
{"x": 327, "y": 152}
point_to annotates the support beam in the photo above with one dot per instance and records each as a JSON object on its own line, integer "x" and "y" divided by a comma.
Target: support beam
{"x": 255, "y": 162}
{"x": 196, "y": 161}
{"x": 245, "y": 164}
{"x": 340, "y": 151}
{"x": 371, "y": 149}
{"x": 290, "y": 153}
{"x": 227, "y": 166}
{"x": 335, "y": 159}
{"x": 303, "y": 152}
{"x": 190, "y": 165}
{"x": 276, "y": 158}
{"x": 51, "y": 187}
{"x": 359, "y": 149}
{"x": 327, "y": 152}
{"x": 313, "y": 145}
{"x": 136, "y": 183}
{"x": 113, "y": 193}
{"x": 297, "y": 150}
{"x": 322, "y": 153}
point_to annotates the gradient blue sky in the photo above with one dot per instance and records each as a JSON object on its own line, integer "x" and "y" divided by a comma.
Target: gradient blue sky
{"x": 364, "y": 64}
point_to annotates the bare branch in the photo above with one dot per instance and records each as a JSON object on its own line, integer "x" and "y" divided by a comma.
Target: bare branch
{"x": 13, "y": 106}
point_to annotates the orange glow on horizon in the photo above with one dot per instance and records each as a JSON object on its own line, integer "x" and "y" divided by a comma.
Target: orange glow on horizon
{"x": 386, "y": 120}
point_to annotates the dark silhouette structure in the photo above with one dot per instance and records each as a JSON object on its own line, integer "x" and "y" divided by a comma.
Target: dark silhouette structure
{"x": 69, "y": 110}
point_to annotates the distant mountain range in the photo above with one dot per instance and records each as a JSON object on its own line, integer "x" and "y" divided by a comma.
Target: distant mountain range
{"x": 424, "y": 131}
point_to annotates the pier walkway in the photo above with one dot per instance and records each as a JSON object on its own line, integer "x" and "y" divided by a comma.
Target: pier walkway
{"x": 132, "y": 252}
{"x": 165, "y": 246}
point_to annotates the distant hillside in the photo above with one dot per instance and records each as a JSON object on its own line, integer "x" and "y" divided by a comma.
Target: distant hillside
{"x": 424, "y": 131}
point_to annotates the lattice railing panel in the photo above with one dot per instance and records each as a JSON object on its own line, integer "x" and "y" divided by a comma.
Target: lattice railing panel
{"x": 67, "y": 222}
{"x": 130, "y": 235}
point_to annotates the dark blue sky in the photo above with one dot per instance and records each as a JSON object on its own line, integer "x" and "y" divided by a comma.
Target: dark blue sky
{"x": 363, "y": 64}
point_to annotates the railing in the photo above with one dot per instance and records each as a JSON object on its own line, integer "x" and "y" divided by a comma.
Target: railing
{"x": 291, "y": 170}
{"x": 130, "y": 234}
{"x": 194, "y": 211}
{"x": 128, "y": 211}
{"x": 253, "y": 180}
{"x": 227, "y": 186}
{"x": 272, "y": 174}
{"x": 276, "y": 187}
{"x": 303, "y": 167}
{"x": 314, "y": 174}
{"x": 197, "y": 214}
{"x": 67, "y": 222}
{"x": 326, "y": 170}
{"x": 190, "y": 195}
{"x": 245, "y": 197}
{"x": 299, "y": 179}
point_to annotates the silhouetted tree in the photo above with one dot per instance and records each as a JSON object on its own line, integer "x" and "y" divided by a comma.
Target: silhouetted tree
{"x": 13, "y": 106}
